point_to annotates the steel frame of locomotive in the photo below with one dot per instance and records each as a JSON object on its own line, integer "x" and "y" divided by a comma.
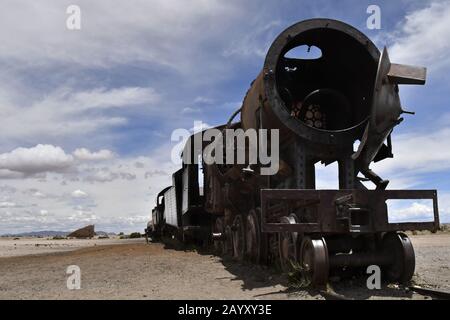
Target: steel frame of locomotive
{"x": 283, "y": 218}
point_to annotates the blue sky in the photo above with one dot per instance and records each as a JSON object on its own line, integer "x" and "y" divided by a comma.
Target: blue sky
{"x": 87, "y": 115}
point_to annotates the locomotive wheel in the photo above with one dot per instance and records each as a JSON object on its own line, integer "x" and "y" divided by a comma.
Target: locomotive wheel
{"x": 288, "y": 245}
{"x": 238, "y": 238}
{"x": 401, "y": 250}
{"x": 219, "y": 245}
{"x": 314, "y": 260}
{"x": 253, "y": 237}
{"x": 228, "y": 243}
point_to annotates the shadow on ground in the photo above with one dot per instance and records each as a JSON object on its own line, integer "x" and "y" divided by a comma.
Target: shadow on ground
{"x": 257, "y": 276}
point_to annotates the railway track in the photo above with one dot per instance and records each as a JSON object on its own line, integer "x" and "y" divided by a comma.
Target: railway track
{"x": 330, "y": 294}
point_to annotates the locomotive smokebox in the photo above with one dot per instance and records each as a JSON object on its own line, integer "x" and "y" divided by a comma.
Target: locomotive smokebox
{"x": 326, "y": 100}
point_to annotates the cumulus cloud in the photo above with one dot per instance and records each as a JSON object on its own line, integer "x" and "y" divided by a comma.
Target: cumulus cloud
{"x": 8, "y": 174}
{"x": 38, "y": 159}
{"x": 123, "y": 202}
{"x": 86, "y": 154}
{"x": 422, "y": 37}
{"x": 410, "y": 211}
{"x": 433, "y": 155}
{"x": 43, "y": 158}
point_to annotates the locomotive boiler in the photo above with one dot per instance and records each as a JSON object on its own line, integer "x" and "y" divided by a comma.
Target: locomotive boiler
{"x": 320, "y": 107}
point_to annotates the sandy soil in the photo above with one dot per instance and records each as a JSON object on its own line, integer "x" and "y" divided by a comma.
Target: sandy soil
{"x": 11, "y": 247}
{"x": 135, "y": 270}
{"x": 432, "y": 260}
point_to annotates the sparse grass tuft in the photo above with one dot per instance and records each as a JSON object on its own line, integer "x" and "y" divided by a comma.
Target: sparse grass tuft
{"x": 298, "y": 277}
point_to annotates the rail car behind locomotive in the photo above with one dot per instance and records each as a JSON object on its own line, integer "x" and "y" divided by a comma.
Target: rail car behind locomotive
{"x": 320, "y": 107}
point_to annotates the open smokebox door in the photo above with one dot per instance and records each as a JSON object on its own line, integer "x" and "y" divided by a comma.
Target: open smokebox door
{"x": 385, "y": 113}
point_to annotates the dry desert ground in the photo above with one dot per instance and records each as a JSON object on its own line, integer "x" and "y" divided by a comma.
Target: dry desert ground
{"x": 132, "y": 269}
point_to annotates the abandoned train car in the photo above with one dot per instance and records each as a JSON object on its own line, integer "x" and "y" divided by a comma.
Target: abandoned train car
{"x": 320, "y": 107}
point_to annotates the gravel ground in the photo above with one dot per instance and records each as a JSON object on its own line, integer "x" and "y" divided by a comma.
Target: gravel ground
{"x": 135, "y": 270}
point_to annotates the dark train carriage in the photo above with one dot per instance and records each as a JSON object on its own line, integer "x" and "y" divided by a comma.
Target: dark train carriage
{"x": 155, "y": 225}
{"x": 181, "y": 206}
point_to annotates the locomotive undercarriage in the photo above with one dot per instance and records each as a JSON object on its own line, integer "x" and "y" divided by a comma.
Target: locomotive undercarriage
{"x": 334, "y": 243}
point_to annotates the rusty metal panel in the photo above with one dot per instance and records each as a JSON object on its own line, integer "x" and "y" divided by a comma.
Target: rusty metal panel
{"x": 327, "y": 203}
{"x": 404, "y": 74}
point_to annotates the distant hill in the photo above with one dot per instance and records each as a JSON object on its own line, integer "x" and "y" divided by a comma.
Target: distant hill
{"x": 49, "y": 233}
{"x": 44, "y": 233}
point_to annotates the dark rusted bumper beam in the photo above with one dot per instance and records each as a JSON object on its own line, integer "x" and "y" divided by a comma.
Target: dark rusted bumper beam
{"x": 324, "y": 203}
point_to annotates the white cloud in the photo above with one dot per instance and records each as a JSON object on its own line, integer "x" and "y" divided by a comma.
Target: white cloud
{"x": 417, "y": 153}
{"x": 102, "y": 176}
{"x": 86, "y": 154}
{"x": 256, "y": 41}
{"x": 39, "y": 194}
{"x": 138, "y": 164}
{"x": 78, "y": 72}
{"x": 444, "y": 206}
{"x": 203, "y": 100}
{"x": 7, "y": 204}
{"x": 8, "y": 174}
{"x": 157, "y": 31}
{"x": 422, "y": 38}
{"x": 410, "y": 211}
{"x": 122, "y": 203}
{"x": 150, "y": 174}
{"x": 106, "y": 175}
{"x": 327, "y": 176}
{"x": 117, "y": 97}
{"x": 41, "y": 158}
{"x": 63, "y": 112}
{"x": 79, "y": 194}
{"x": 187, "y": 110}
{"x": 116, "y": 205}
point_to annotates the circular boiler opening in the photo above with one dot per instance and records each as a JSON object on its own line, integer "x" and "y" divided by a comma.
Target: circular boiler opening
{"x": 331, "y": 91}
{"x": 324, "y": 109}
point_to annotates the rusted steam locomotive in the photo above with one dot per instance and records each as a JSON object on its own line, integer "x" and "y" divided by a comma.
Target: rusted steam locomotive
{"x": 320, "y": 107}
